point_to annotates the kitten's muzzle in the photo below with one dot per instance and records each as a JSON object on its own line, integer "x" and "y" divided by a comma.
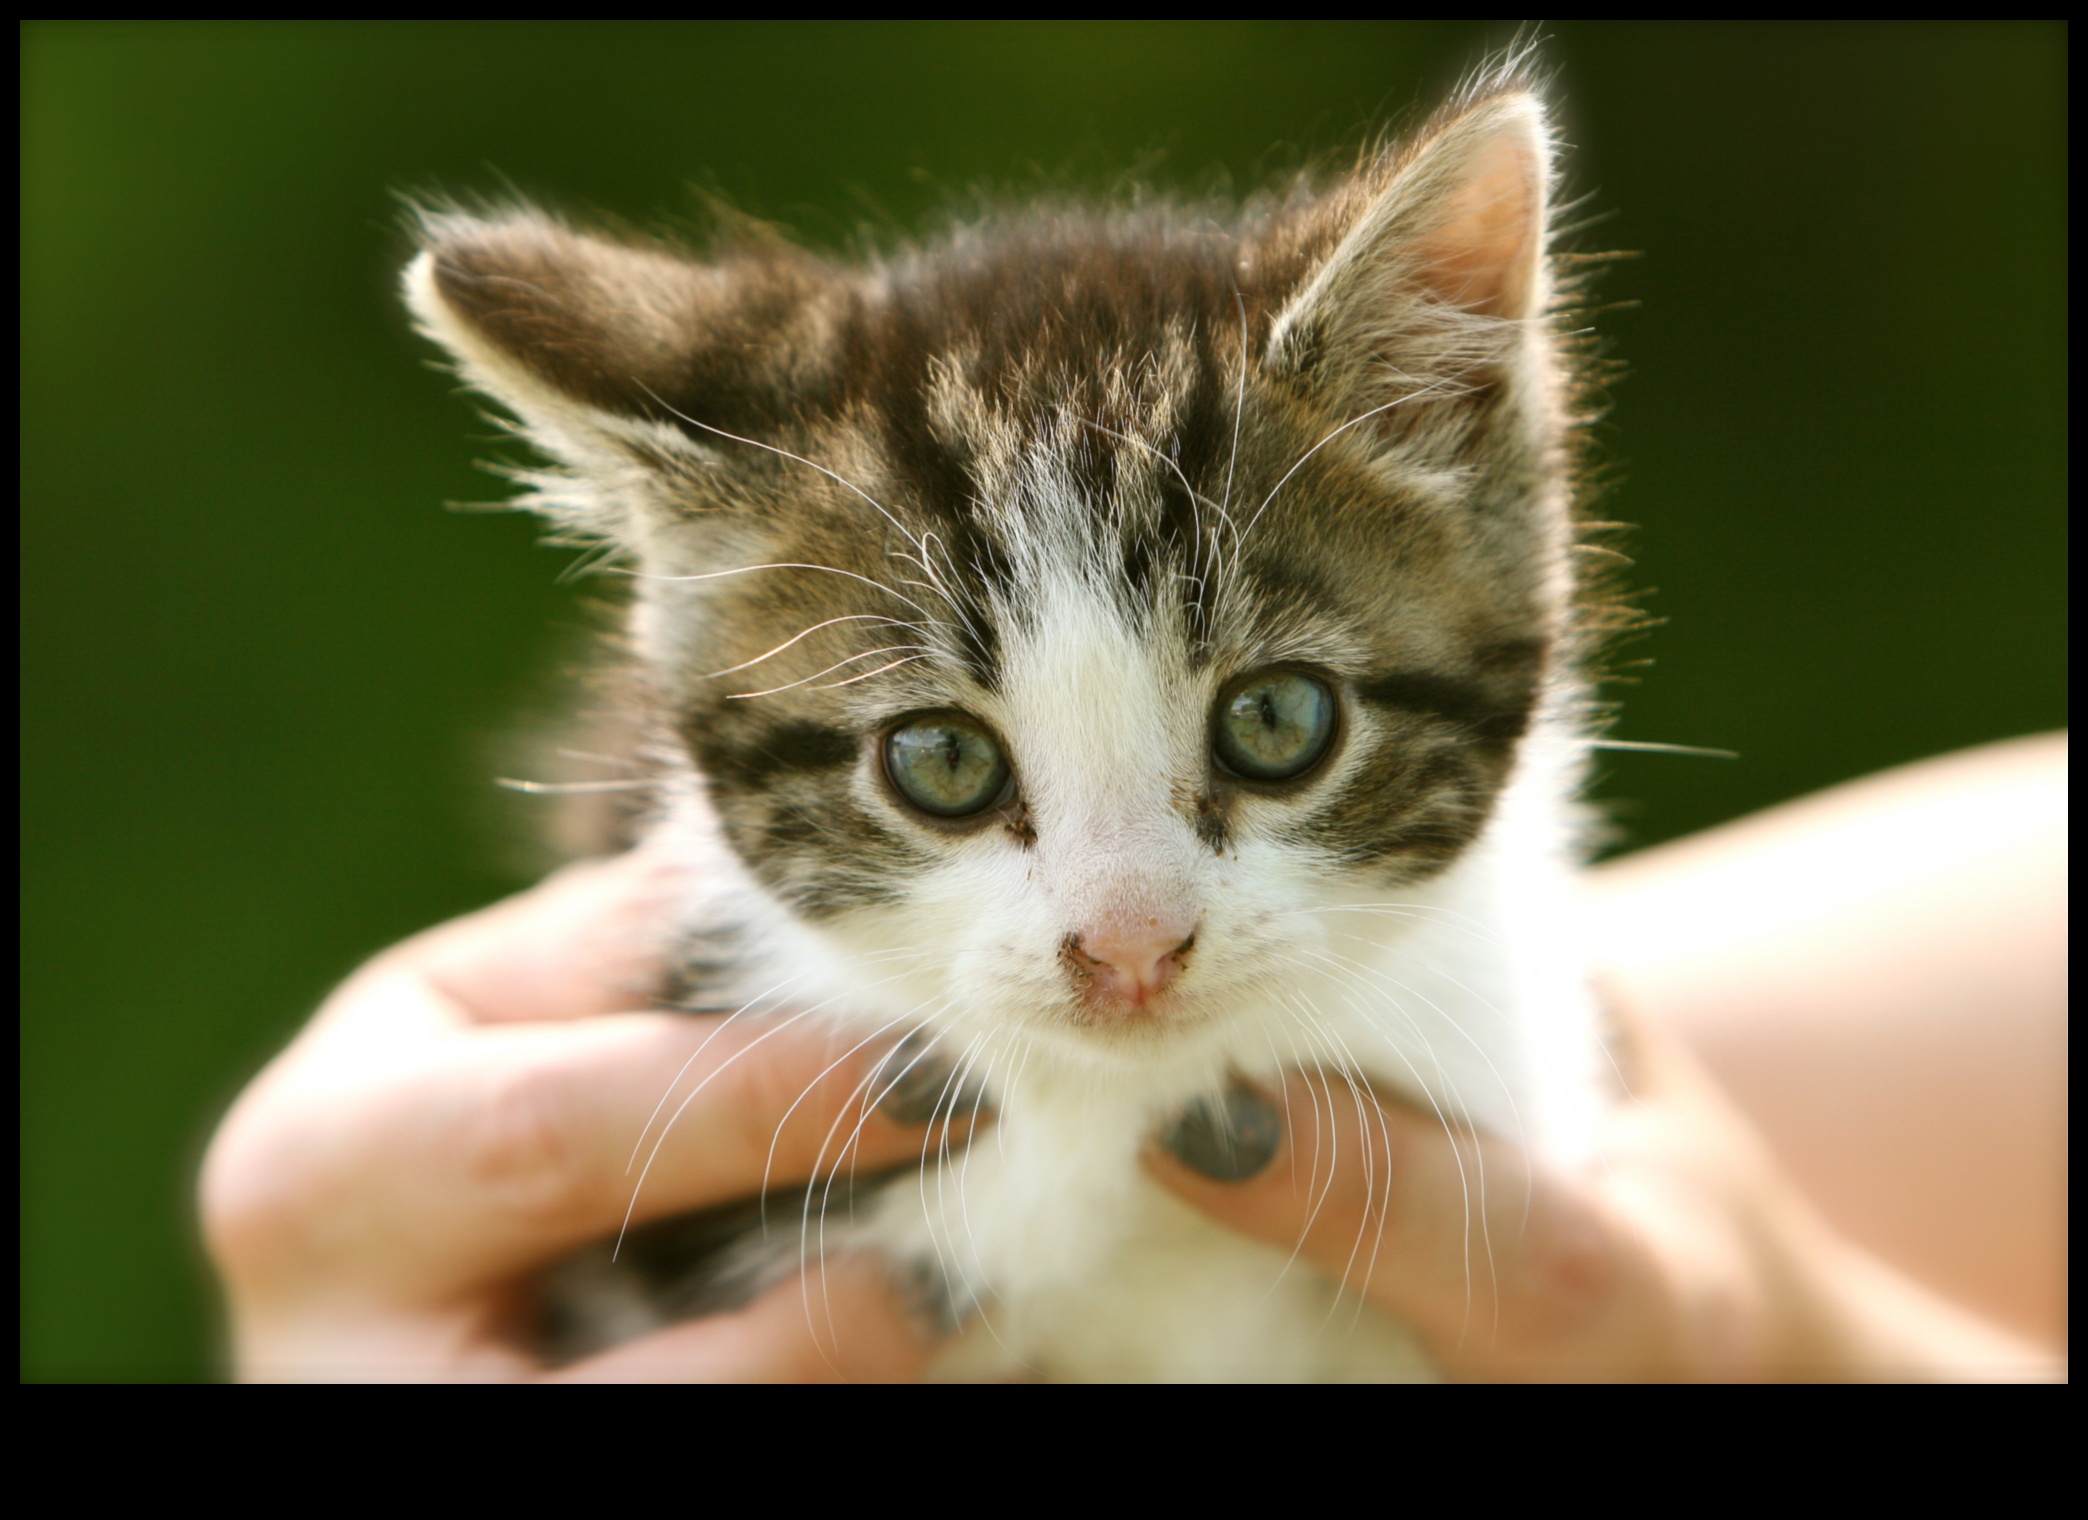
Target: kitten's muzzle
{"x": 1121, "y": 966}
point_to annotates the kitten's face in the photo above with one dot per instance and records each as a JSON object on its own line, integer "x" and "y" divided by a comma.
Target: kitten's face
{"x": 1060, "y": 615}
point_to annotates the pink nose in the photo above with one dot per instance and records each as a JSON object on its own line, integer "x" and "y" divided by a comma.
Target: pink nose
{"x": 1126, "y": 962}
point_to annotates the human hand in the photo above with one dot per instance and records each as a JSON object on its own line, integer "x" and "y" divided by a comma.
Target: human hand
{"x": 462, "y": 1111}
{"x": 1683, "y": 1254}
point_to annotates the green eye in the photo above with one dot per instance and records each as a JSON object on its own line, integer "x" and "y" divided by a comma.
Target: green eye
{"x": 1274, "y": 725}
{"x": 946, "y": 765}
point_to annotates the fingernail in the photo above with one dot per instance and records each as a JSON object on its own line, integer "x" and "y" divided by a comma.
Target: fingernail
{"x": 937, "y": 1304}
{"x": 917, "y": 1086}
{"x": 1229, "y": 1139}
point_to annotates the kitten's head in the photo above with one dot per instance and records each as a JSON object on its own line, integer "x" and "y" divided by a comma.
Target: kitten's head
{"x": 1068, "y": 605}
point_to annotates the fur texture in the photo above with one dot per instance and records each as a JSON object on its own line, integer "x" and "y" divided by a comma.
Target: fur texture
{"x": 1073, "y": 472}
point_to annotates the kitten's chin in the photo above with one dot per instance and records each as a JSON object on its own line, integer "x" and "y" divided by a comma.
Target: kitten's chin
{"x": 1162, "y": 1018}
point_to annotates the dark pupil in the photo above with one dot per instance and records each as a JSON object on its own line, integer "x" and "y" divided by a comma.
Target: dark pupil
{"x": 945, "y": 768}
{"x": 1276, "y": 727}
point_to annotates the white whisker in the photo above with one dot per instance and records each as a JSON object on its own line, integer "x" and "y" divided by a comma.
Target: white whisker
{"x": 562, "y": 788}
{"x": 1456, "y": 1151}
{"x": 712, "y": 575}
{"x": 1648, "y": 747}
{"x": 1364, "y": 417}
{"x": 723, "y": 1066}
{"x": 1239, "y": 401}
{"x": 868, "y": 654}
{"x": 866, "y": 675}
{"x": 694, "y": 1056}
{"x": 852, "y": 617}
{"x": 838, "y": 480}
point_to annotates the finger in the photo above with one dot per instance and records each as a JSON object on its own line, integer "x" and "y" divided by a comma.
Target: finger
{"x": 1490, "y": 1262}
{"x": 522, "y": 1142}
{"x": 844, "y": 1323}
{"x": 589, "y": 939}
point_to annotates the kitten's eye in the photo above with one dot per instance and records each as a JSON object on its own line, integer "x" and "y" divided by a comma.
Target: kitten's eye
{"x": 1274, "y": 725}
{"x": 946, "y": 765}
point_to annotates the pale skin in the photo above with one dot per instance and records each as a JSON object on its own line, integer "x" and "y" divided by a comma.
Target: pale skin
{"x": 1841, "y": 1155}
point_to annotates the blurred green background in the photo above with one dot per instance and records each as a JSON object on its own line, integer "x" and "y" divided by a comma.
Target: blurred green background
{"x": 263, "y": 669}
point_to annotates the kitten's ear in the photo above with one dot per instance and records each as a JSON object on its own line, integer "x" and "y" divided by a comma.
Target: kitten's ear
{"x": 595, "y": 344}
{"x": 1441, "y": 271}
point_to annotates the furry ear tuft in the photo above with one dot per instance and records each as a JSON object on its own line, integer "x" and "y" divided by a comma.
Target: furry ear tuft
{"x": 1440, "y": 266}
{"x": 568, "y": 329}
{"x": 1482, "y": 249}
{"x": 541, "y": 316}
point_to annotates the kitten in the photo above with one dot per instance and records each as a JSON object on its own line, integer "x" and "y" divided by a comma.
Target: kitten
{"x": 1128, "y": 651}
